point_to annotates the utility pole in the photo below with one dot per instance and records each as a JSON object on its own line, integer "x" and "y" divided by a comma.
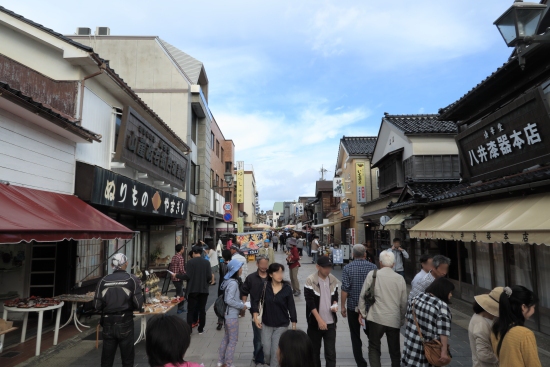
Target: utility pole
{"x": 323, "y": 171}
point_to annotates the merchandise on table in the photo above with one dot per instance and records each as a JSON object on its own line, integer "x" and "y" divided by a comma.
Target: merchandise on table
{"x": 32, "y": 302}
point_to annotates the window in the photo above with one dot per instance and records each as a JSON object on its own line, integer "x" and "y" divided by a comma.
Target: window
{"x": 212, "y": 140}
{"x": 228, "y": 166}
{"x": 377, "y": 179}
{"x": 118, "y": 122}
{"x": 483, "y": 265}
{"x": 217, "y": 180}
{"x": 212, "y": 182}
{"x": 194, "y": 127}
{"x": 218, "y": 148}
{"x": 227, "y": 196}
{"x": 195, "y": 178}
{"x": 222, "y": 155}
{"x": 89, "y": 255}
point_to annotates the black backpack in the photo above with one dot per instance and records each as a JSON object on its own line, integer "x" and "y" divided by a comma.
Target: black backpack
{"x": 220, "y": 307}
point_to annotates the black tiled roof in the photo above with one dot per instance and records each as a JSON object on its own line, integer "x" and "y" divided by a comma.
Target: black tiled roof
{"x": 422, "y": 192}
{"x": 529, "y": 177}
{"x": 359, "y": 145}
{"x": 421, "y": 124}
{"x": 77, "y": 129}
{"x": 47, "y": 30}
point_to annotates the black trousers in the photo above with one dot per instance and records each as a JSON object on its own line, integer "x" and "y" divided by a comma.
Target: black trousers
{"x": 118, "y": 334}
{"x": 301, "y": 251}
{"x": 356, "y": 343}
{"x": 376, "y": 332}
{"x": 197, "y": 303}
{"x": 275, "y": 246}
{"x": 329, "y": 338}
{"x": 179, "y": 293}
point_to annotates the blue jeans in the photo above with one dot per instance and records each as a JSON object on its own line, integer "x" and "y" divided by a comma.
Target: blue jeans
{"x": 258, "y": 349}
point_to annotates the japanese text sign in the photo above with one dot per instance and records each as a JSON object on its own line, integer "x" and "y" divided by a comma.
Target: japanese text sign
{"x": 240, "y": 182}
{"x": 338, "y": 187}
{"x": 360, "y": 182}
{"x": 508, "y": 141}
{"x": 142, "y": 147}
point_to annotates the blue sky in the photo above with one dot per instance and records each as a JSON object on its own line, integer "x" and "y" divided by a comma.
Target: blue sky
{"x": 289, "y": 78}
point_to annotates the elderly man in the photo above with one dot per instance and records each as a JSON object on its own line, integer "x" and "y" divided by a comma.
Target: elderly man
{"x": 440, "y": 268}
{"x": 387, "y": 314}
{"x": 353, "y": 278}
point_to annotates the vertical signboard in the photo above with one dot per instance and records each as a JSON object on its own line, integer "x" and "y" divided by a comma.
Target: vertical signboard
{"x": 240, "y": 225}
{"x": 360, "y": 180}
{"x": 338, "y": 188}
{"x": 240, "y": 182}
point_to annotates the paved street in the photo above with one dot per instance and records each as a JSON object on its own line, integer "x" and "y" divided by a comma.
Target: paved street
{"x": 204, "y": 347}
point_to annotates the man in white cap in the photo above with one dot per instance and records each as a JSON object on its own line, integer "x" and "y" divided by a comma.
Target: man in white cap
{"x": 117, "y": 296}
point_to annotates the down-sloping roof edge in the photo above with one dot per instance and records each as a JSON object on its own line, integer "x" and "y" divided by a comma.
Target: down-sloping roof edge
{"x": 190, "y": 66}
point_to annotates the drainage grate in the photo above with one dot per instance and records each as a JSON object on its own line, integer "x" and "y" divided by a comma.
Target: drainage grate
{"x": 9, "y": 354}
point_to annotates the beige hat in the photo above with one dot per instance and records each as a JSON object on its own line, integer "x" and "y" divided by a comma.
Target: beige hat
{"x": 490, "y": 302}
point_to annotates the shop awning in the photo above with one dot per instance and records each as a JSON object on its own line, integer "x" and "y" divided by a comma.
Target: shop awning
{"x": 395, "y": 222}
{"x": 515, "y": 220}
{"x": 43, "y": 216}
{"x": 331, "y": 223}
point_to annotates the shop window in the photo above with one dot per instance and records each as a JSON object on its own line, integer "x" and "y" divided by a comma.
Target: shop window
{"x": 89, "y": 255}
{"x": 543, "y": 259}
{"x": 483, "y": 264}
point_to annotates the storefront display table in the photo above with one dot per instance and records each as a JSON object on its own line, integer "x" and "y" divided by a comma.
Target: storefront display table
{"x": 157, "y": 309}
{"x": 75, "y": 299}
{"x": 40, "y": 311}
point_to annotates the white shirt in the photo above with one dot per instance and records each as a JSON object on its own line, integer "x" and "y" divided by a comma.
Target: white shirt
{"x": 418, "y": 276}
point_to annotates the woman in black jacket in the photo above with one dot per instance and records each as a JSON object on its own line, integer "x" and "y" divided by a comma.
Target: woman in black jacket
{"x": 279, "y": 311}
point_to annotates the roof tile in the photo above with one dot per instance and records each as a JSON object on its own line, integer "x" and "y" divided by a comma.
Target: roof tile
{"x": 359, "y": 145}
{"x": 421, "y": 124}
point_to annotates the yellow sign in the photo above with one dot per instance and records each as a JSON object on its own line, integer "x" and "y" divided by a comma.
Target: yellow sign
{"x": 240, "y": 182}
{"x": 240, "y": 225}
{"x": 360, "y": 180}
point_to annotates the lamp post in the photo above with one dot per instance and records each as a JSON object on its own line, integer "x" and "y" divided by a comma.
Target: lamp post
{"x": 228, "y": 178}
{"x": 518, "y": 26}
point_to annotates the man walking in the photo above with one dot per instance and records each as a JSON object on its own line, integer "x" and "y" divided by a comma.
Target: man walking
{"x": 353, "y": 278}
{"x": 314, "y": 248}
{"x": 282, "y": 241}
{"x": 321, "y": 295}
{"x": 177, "y": 267}
{"x": 198, "y": 276}
{"x": 254, "y": 286}
{"x": 387, "y": 314}
{"x": 275, "y": 240}
{"x": 293, "y": 260}
{"x": 117, "y": 296}
{"x": 440, "y": 268}
{"x": 267, "y": 252}
{"x": 235, "y": 254}
{"x": 399, "y": 254}
{"x": 426, "y": 265}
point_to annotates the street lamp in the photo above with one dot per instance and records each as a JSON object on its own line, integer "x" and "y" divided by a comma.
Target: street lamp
{"x": 518, "y": 26}
{"x": 228, "y": 178}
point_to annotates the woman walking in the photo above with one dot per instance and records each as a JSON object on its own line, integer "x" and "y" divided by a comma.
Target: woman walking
{"x": 434, "y": 318}
{"x": 214, "y": 263}
{"x": 295, "y": 350}
{"x": 479, "y": 331}
{"x": 513, "y": 343}
{"x": 293, "y": 260}
{"x": 278, "y": 312}
{"x": 232, "y": 297}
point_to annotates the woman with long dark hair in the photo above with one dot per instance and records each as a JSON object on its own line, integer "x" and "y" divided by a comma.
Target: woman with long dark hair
{"x": 514, "y": 344}
{"x": 295, "y": 350}
{"x": 279, "y": 311}
{"x": 434, "y": 318}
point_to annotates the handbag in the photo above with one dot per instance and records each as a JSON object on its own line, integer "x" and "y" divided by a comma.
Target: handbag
{"x": 369, "y": 294}
{"x": 261, "y": 306}
{"x": 432, "y": 349}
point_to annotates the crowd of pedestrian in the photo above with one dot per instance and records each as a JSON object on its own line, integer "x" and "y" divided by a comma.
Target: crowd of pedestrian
{"x": 373, "y": 297}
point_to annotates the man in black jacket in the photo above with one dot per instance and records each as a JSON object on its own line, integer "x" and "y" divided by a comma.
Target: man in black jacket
{"x": 117, "y": 296}
{"x": 198, "y": 275}
{"x": 321, "y": 295}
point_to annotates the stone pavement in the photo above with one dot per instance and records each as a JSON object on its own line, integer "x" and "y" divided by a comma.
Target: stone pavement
{"x": 204, "y": 348}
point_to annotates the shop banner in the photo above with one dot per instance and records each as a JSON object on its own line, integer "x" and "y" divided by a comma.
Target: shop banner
{"x": 111, "y": 189}
{"x": 240, "y": 224}
{"x": 251, "y": 240}
{"x": 360, "y": 180}
{"x": 240, "y": 182}
{"x": 338, "y": 187}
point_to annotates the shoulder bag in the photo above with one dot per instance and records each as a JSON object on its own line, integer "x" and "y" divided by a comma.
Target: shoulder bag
{"x": 369, "y": 294}
{"x": 432, "y": 349}
{"x": 261, "y": 306}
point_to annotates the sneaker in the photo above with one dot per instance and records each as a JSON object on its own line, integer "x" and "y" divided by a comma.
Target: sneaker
{"x": 219, "y": 327}
{"x": 201, "y": 331}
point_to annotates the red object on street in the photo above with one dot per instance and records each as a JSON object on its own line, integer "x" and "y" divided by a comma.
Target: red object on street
{"x": 44, "y": 216}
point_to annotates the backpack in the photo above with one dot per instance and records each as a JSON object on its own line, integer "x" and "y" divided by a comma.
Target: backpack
{"x": 220, "y": 307}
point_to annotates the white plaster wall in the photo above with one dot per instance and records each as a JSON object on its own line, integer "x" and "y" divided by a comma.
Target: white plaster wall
{"x": 433, "y": 145}
{"x": 390, "y": 139}
{"x": 34, "y": 157}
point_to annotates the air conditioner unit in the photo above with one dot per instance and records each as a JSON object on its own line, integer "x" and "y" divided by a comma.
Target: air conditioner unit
{"x": 102, "y": 31}
{"x": 82, "y": 31}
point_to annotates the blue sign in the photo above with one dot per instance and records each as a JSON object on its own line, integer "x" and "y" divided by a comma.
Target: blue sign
{"x": 227, "y": 217}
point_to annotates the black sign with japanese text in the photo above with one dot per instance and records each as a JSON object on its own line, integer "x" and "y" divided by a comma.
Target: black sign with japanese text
{"x": 142, "y": 147}
{"x": 512, "y": 139}
{"x": 104, "y": 187}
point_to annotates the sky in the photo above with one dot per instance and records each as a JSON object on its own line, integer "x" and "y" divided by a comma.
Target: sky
{"x": 288, "y": 79}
